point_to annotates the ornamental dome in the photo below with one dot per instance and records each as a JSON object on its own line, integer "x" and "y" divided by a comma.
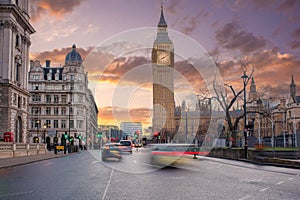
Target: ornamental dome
{"x": 73, "y": 57}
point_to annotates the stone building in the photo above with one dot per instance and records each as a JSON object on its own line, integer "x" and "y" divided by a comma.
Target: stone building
{"x": 61, "y": 102}
{"x": 15, "y": 31}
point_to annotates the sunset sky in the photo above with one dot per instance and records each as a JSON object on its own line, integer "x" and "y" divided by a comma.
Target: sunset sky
{"x": 113, "y": 35}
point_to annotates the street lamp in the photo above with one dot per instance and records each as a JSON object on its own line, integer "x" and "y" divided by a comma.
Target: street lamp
{"x": 45, "y": 133}
{"x": 69, "y": 104}
{"x": 245, "y": 78}
{"x": 37, "y": 128}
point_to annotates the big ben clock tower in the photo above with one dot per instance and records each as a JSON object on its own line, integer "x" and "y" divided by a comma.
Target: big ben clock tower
{"x": 163, "y": 83}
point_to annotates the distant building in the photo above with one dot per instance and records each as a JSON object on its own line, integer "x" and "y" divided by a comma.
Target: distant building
{"x": 129, "y": 128}
{"x": 15, "y": 31}
{"x": 110, "y": 131}
{"x": 61, "y": 102}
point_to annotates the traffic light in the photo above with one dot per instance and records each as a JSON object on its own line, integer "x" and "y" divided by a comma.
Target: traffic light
{"x": 79, "y": 136}
{"x": 71, "y": 139}
{"x": 66, "y": 136}
{"x": 55, "y": 140}
{"x": 99, "y": 135}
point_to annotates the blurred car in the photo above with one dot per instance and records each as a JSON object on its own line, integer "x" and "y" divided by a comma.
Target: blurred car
{"x": 111, "y": 150}
{"x": 167, "y": 154}
{"x": 137, "y": 144}
{"x": 125, "y": 145}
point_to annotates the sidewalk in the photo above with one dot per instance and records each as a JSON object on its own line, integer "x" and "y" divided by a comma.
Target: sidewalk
{"x": 12, "y": 162}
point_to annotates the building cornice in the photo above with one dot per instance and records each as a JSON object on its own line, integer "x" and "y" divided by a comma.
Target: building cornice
{"x": 19, "y": 16}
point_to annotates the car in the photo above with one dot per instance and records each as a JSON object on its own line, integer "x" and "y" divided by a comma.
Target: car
{"x": 111, "y": 151}
{"x": 125, "y": 146}
{"x": 171, "y": 154}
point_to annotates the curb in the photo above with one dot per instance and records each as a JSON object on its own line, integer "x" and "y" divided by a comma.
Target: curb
{"x": 268, "y": 162}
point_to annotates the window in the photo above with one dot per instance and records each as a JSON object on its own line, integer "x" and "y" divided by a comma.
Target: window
{"x": 48, "y": 123}
{"x": 56, "y": 99}
{"x": 56, "y": 77}
{"x": 79, "y": 111}
{"x": 48, "y": 98}
{"x": 49, "y": 76}
{"x": 64, "y": 98}
{"x": 72, "y": 77}
{"x": 35, "y": 86}
{"x": 24, "y": 102}
{"x": 35, "y": 110}
{"x": 71, "y": 111}
{"x": 63, "y": 87}
{"x": 19, "y": 102}
{"x": 48, "y": 110}
{"x": 79, "y": 123}
{"x": 55, "y": 123}
{"x": 72, "y": 87}
{"x": 55, "y": 110}
{"x": 71, "y": 123}
{"x": 17, "y": 40}
{"x": 36, "y": 77}
{"x": 37, "y": 123}
{"x": 63, "y": 111}
{"x": 63, "y": 123}
{"x": 36, "y": 98}
{"x": 49, "y": 87}
{"x": 18, "y": 72}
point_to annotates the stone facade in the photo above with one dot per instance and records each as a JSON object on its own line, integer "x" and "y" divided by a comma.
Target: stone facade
{"x": 15, "y": 31}
{"x": 61, "y": 102}
{"x": 163, "y": 80}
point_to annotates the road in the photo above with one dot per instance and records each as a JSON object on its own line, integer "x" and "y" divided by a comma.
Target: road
{"x": 85, "y": 176}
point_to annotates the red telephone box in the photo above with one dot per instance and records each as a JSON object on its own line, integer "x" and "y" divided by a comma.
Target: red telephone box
{"x": 8, "y": 137}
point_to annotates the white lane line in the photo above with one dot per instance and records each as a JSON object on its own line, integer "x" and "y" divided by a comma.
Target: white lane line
{"x": 290, "y": 179}
{"x": 280, "y": 182}
{"x": 94, "y": 162}
{"x": 105, "y": 191}
{"x": 262, "y": 190}
{"x": 246, "y": 197}
{"x": 14, "y": 194}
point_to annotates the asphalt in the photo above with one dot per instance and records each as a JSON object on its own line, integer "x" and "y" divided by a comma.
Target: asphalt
{"x": 17, "y": 161}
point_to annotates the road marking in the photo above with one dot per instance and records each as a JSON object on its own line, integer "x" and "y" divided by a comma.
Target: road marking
{"x": 14, "y": 194}
{"x": 94, "y": 162}
{"x": 105, "y": 191}
{"x": 290, "y": 179}
{"x": 262, "y": 190}
{"x": 280, "y": 182}
{"x": 245, "y": 197}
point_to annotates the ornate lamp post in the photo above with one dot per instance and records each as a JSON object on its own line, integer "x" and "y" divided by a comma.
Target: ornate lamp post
{"x": 44, "y": 133}
{"x": 245, "y": 77}
{"x": 37, "y": 129}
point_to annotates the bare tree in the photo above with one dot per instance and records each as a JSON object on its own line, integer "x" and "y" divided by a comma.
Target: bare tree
{"x": 228, "y": 101}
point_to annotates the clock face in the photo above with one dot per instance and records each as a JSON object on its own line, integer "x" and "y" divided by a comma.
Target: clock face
{"x": 163, "y": 58}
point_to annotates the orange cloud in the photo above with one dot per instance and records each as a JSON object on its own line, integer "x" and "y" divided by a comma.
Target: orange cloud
{"x": 107, "y": 115}
{"x": 56, "y": 8}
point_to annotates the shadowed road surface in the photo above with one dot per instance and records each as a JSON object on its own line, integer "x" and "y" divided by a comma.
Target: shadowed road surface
{"x": 85, "y": 176}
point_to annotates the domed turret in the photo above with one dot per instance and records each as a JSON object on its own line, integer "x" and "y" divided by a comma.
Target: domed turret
{"x": 73, "y": 57}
